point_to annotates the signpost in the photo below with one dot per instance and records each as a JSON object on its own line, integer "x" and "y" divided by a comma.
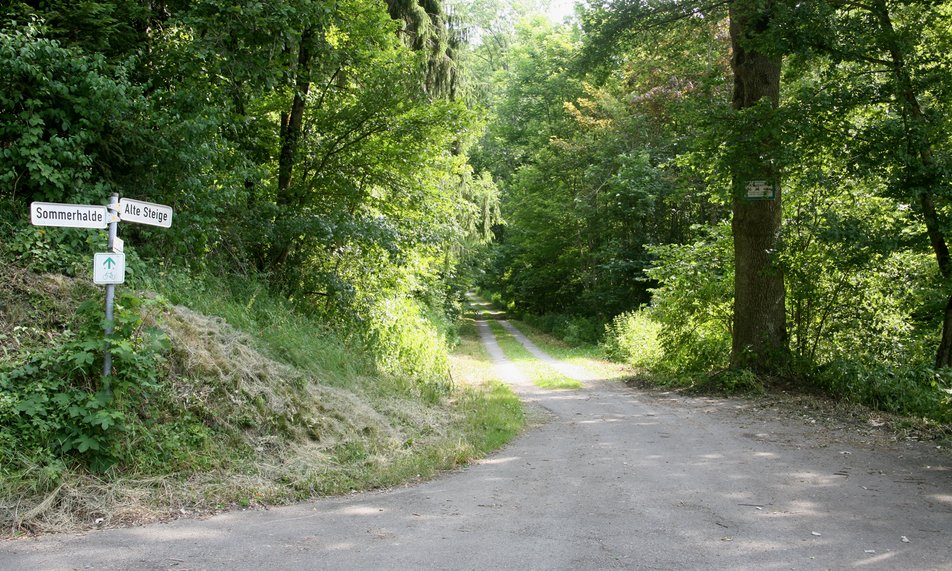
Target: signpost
{"x": 145, "y": 213}
{"x": 109, "y": 268}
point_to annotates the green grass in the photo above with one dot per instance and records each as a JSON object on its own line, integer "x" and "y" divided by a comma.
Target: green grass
{"x": 542, "y": 375}
{"x": 279, "y": 331}
{"x": 262, "y": 406}
{"x": 494, "y": 414}
{"x": 586, "y": 356}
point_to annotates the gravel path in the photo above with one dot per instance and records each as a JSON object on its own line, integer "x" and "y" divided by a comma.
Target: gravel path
{"x": 617, "y": 479}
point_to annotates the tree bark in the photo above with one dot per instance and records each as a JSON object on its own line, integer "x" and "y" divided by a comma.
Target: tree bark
{"x": 292, "y": 126}
{"x": 292, "y": 123}
{"x": 760, "y": 339}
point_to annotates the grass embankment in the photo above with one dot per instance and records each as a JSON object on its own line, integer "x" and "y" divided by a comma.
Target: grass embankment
{"x": 252, "y": 403}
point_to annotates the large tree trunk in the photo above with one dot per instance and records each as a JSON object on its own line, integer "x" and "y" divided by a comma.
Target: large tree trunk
{"x": 759, "y": 332}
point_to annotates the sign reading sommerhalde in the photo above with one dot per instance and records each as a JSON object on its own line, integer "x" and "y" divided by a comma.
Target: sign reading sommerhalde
{"x": 109, "y": 268}
{"x": 145, "y": 213}
{"x": 69, "y": 215}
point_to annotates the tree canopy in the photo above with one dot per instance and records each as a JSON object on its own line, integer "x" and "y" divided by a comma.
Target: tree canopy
{"x": 642, "y": 155}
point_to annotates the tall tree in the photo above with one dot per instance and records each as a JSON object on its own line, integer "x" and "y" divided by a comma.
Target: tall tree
{"x": 759, "y": 336}
{"x": 759, "y": 330}
{"x": 922, "y": 175}
{"x": 886, "y": 62}
{"x": 427, "y": 27}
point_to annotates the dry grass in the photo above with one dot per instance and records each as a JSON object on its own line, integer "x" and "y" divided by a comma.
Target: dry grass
{"x": 217, "y": 369}
{"x": 36, "y": 309}
{"x": 278, "y": 434}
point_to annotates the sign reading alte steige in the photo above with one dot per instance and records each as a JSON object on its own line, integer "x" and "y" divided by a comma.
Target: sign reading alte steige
{"x": 145, "y": 213}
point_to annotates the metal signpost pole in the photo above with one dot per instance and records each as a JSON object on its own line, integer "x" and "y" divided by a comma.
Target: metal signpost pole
{"x": 110, "y": 295}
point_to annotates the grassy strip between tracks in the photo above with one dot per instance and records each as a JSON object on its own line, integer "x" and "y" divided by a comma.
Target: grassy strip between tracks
{"x": 538, "y": 372}
{"x": 589, "y": 357}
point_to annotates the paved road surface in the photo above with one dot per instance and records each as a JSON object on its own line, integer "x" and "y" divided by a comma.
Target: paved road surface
{"x": 616, "y": 479}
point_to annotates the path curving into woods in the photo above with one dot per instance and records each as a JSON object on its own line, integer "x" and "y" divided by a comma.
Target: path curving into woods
{"x": 616, "y": 479}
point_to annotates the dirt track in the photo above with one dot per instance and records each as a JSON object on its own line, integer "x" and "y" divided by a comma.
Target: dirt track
{"x": 616, "y": 479}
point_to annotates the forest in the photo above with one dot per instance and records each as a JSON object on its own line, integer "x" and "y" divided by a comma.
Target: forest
{"x": 733, "y": 195}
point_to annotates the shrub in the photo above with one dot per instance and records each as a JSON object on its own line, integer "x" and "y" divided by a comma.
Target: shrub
{"x": 55, "y": 407}
{"x": 693, "y": 302}
{"x": 409, "y": 347}
{"x": 573, "y": 329}
{"x": 634, "y": 338}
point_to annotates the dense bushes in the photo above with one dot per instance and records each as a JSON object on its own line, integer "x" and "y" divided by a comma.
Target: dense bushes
{"x": 621, "y": 158}
{"x": 54, "y": 404}
{"x": 408, "y": 346}
{"x": 317, "y": 168}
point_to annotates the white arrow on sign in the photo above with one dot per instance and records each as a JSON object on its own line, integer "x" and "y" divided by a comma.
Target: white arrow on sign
{"x": 145, "y": 212}
{"x": 68, "y": 215}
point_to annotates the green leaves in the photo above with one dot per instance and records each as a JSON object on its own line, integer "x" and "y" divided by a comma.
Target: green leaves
{"x": 66, "y": 115}
{"x": 55, "y": 397}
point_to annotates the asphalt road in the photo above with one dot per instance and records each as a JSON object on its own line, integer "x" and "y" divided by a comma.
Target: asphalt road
{"x": 616, "y": 479}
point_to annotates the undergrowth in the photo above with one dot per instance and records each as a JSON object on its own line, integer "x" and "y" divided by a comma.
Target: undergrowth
{"x": 237, "y": 400}
{"x": 697, "y": 361}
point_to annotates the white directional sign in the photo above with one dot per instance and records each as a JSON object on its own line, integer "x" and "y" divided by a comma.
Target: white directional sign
{"x": 109, "y": 268}
{"x": 68, "y": 215}
{"x": 145, "y": 212}
{"x": 761, "y": 190}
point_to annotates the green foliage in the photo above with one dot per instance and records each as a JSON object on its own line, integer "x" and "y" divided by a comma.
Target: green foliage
{"x": 620, "y": 198}
{"x": 573, "y": 329}
{"x": 407, "y": 346}
{"x": 914, "y": 389}
{"x": 494, "y": 413}
{"x": 54, "y": 406}
{"x": 587, "y": 170}
{"x": 693, "y": 302}
{"x": 372, "y": 200}
{"x": 65, "y": 251}
{"x": 43, "y": 250}
{"x": 341, "y": 243}
{"x": 634, "y": 338}
{"x": 112, "y": 27}
{"x": 733, "y": 381}
{"x": 68, "y": 120}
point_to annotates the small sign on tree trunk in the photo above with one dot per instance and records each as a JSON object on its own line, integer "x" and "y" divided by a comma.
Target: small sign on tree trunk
{"x": 760, "y": 190}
